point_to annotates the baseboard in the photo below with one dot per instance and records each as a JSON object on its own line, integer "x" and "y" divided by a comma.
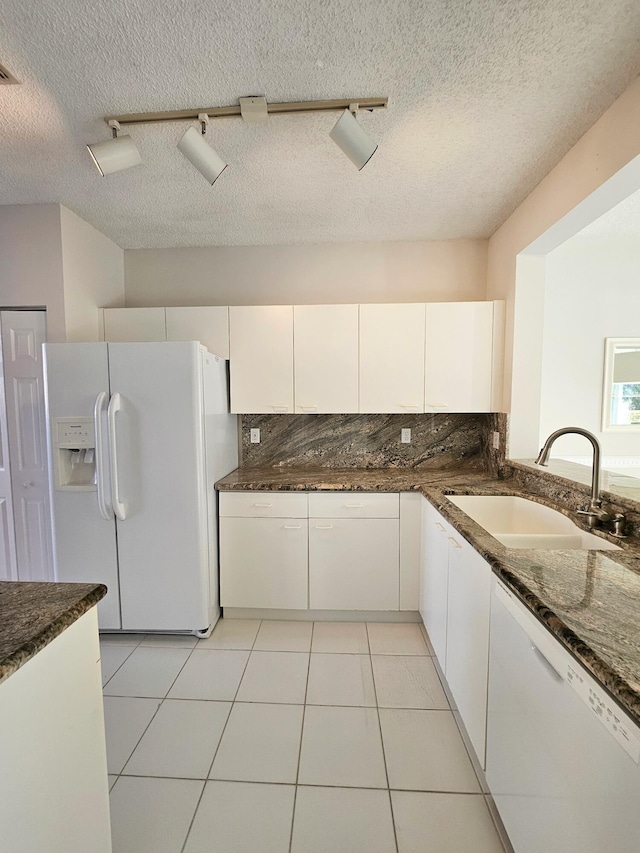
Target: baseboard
{"x": 321, "y": 615}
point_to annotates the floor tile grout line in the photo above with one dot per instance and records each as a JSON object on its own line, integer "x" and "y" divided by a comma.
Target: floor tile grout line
{"x": 160, "y": 704}
{"x": 226, "y": 723}
{"x": 384, "y": 755}
{"x": 304, "y": 712}
{"x": 119, "y": 667}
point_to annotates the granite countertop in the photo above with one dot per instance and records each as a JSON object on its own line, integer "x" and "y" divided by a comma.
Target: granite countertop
{"x": 589, "y": 600}
{"x": 34, "y": 614}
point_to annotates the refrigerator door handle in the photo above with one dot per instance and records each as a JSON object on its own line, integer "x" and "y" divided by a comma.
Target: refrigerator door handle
{"x": 115, "y": 405}
{"x": 105, "y": 509}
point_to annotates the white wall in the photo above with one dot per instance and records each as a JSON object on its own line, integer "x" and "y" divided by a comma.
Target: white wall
{"x": 93, "y": 275}
{"x": 592, "y": 292}
{"x": 612, "y": 143}
{"x": 31, "y": 262}
{"x": 328, "y": 273}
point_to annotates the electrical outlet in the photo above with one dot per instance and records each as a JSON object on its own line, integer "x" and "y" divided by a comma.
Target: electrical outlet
{"x": 496, "y": 440}
{"x": 405, "y": 436}
{"x": 255, "y": 436}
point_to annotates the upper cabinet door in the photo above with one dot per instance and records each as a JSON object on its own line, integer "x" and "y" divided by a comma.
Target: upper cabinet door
{"x": 134, "y": 324}
{"x": 392, "y": 358}
{"x": 326, "y": 358}
{"x": 261, "y": 355}
{"x": 459, "y": 357}
{"x": 208, "y": 324}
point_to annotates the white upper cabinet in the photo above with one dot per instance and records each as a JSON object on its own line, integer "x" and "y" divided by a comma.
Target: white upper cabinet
{"x": 459, "y": 356}
{"x": 326, "y": 358}
{"x": 208, "y": 324}
{"x": 392, "y": 358}
{"x": 261, "y": 357}
{"x": 134, "y": 324}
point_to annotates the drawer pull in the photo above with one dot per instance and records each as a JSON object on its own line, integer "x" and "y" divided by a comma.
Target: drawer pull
{"x": 309, "y": 408}
{"x": 453, "y": 542}
{"x": 438, "y": 405}
{"x": 324, "y": 526}
{"x": 292, "y": 526}
{"x": 410, "y": 408}
{"x": 439, "y": 526}
{"x": 263, "y": 506}
{"x": 279, "y": 410}
{"x": 353, "y": 506}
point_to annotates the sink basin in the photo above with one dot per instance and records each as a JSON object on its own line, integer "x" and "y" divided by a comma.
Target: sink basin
{"x": 521, "y": 523}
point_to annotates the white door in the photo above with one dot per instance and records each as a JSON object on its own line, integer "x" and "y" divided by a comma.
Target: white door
{"x": 392, "y": 358}
{"x": 160, "y": 468}
{"x": 434, "y": 579}
{"x": 459, "y": 356}
{"x": 261, "y": 359}
{"x": 23, "y": 333}
{"x": 263, "y": 562}
{"x": 354, "y": 563}
{"x": 468, "y": 618}
{"x": 8, "y": 564}
{"x": 207, "y": 324}
{"x": 326, "y": 358}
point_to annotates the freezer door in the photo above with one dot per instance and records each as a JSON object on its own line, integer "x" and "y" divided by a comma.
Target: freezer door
{"x": 158, "y": 438}
{"x": 84, "y": 541}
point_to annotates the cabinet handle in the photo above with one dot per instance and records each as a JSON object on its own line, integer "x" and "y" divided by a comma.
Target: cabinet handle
{"x": 353, "y": 506}
{"x": 410, "y": 408}
{"x": 264, "y": 506}
{"x": 309, "y": 408}
{"x": 292, "y": 526}
{"x": 453, "y": 542}
{"x": 324, "y": 526}
{"x": 439, "y": 526}
{"x": 437, "y": 405}
{"x": 279, "y": 410}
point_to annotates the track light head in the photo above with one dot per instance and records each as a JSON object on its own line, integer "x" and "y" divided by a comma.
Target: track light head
{"x": 200, "y": 154}
{"x": 352, "y": 139}
{"x": 114, "y": 155}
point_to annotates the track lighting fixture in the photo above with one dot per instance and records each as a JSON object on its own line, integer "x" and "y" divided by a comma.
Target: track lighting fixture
{"x": 352, "y": 139}
{"x": 116, "y": 154}
{"x": 121, "y": 153}
{"x": 199, "y": 153}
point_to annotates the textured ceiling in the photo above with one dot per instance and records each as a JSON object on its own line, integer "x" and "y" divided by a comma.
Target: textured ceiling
{"x": 485, "y": 96}
{"x": 623, "y": 220}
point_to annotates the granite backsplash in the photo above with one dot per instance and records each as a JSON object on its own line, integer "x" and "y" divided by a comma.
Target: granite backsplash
{"x": 368, "y": 441}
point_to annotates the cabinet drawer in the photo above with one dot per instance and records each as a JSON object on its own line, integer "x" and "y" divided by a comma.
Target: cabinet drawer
{"x": 263, "y": 504}
{"x": 354, "y": 505}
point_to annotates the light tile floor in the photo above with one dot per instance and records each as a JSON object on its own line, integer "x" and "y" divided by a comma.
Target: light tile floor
{"x": 287, "y": 737}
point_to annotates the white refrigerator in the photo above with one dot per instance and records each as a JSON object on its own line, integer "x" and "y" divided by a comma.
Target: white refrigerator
{"x": 138, "y": 433}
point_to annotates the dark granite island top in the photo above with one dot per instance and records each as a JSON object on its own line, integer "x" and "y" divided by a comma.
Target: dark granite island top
{"x": 34, "y": 614}
{"x": 589, "y": 600}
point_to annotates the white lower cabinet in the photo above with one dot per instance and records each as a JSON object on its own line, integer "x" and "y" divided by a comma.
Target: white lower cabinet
{"x": 467, "y": 662}
{"x": 354, "y": 564}
{"x": 330, "y": 551}
{"x": 434, "y": 578}
{"x": 263, "y": 563}
{"x": 455, "y": 600}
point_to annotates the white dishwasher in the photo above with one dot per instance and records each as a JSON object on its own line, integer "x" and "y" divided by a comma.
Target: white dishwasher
{"x": 562, "y": 758}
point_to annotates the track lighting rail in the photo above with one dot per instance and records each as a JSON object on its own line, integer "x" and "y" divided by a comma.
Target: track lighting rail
{"x": 234, "y": 110}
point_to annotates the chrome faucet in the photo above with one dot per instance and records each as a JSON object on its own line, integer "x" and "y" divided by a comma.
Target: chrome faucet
{"x": 596, "y": 515}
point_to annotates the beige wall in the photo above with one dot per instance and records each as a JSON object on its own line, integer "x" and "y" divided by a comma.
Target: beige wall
{"x": 612, "y": 142}
{"x": 328, "y": 273}
{"x": 93, "y": 275}
{"x": 31, "y": 262}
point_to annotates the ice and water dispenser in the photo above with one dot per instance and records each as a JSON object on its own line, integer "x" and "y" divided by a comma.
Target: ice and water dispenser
{"x": 74, "y": 445}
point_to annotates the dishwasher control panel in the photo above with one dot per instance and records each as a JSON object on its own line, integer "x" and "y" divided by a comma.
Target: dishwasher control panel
{"x": 605, "y": 709}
